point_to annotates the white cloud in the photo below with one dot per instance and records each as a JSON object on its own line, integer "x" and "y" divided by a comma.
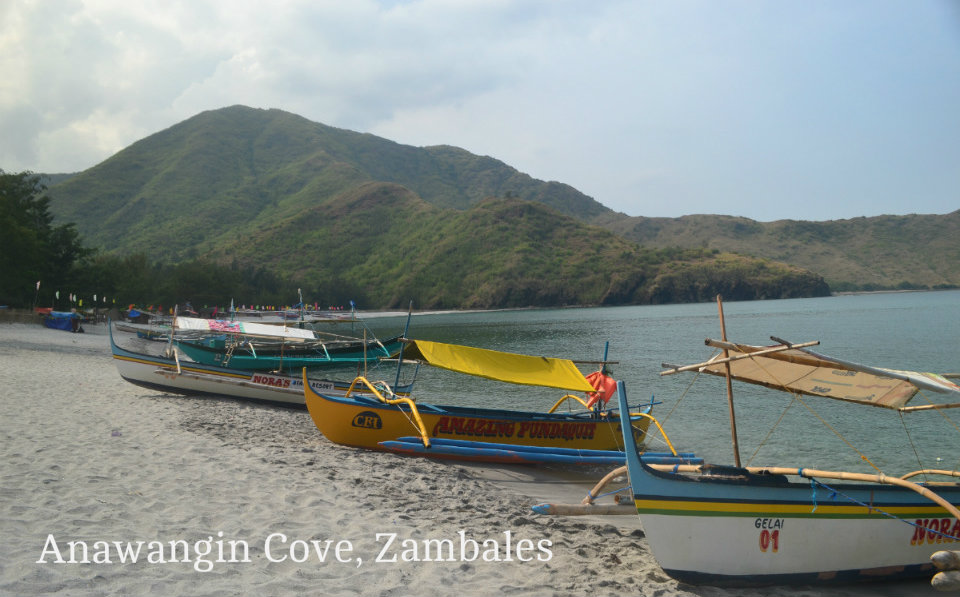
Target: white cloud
{"x": 654, "y": 108}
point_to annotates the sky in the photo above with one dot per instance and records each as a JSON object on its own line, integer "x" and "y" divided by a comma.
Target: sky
{"x": 767, "y": 109}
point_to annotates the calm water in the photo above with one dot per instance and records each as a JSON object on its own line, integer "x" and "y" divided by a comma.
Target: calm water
{"x": 917, "y": 331}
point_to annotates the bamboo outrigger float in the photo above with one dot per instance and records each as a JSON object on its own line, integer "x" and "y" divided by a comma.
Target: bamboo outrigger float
{"x": 753, "y": 525}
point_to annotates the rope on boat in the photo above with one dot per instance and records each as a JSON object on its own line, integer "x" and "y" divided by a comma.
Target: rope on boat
{"x": 910, "y": 441}
{"x": 813, "y": 492}
{"x": 943, "y": 413}
{"x": 680, "y": 399}
{"x": 590, "y": 496}
{"x": 772, "y": 429}
{"x": 835, "y": 492}
{"x": 620, "y": 470}
{"x": 797, "y": 397}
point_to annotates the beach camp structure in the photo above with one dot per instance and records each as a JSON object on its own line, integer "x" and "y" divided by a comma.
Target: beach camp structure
{"x": 68, "y": 321}
{"x": 399, "y": 424}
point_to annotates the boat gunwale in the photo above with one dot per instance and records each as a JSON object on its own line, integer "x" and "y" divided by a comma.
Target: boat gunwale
{"x": 490, "y": 413}
{"x": 755, "y": 482}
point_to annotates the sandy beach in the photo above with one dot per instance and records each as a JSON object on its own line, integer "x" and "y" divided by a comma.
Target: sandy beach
{"x": 231, "y": 498}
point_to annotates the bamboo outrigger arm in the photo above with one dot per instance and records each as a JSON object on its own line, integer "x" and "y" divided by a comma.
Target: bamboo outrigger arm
{"x": 564, "y": 399}
{"x": 931, "y": 471}
{"x": 373, "y": 387}
{"x": 593, "y": 493}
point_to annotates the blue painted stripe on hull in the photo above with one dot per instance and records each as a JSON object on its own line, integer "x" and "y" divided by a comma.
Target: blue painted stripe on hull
{"x": 497, "y": 453}
{"x": 650, "y": 457}
{"x": 442, "y": 447}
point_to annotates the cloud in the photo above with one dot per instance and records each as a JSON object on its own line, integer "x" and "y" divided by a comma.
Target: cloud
{"x": 656, "y": 108}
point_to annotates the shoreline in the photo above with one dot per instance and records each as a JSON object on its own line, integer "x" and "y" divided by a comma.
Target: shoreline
{"x": 89, "y": 457}
{"x": 18, "y": 315}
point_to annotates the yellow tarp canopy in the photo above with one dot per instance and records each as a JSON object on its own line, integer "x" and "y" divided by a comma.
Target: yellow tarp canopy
{"x": 501, "y": 366}
{"x": 809, "y": 373}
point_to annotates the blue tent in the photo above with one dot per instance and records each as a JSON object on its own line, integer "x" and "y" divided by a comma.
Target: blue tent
{"x": 62, "y": 320}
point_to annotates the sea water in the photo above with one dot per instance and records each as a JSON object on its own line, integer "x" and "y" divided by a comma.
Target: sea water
{"x": 917, "y": 331}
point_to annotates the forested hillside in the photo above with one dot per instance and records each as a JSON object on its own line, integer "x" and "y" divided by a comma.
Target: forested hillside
{"x": 353, "y": 214}
{"x": 882, "y": 252}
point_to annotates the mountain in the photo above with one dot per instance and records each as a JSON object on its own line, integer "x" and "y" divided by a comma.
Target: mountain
{"x": 882, "y": 252}
{"x": 451, "y": 229}
{"x": 391, "y": 246}
{"x": 235, "y": 171}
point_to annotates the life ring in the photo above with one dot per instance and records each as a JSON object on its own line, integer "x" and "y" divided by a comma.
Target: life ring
{"x": 605, "y": 385}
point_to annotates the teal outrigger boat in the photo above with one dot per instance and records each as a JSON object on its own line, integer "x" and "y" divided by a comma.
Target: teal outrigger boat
{"x": 259, "y": 347}
{"x": 245, "y": 354}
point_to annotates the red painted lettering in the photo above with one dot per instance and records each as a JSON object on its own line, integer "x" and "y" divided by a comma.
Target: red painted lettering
{"x": 442, "y": 426}
{"x": 524, "y": 428}
{"x": 919, "y": 532}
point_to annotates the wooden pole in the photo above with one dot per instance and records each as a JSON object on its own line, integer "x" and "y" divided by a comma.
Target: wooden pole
{"x": 672, "y": 369}
{"x": 726, "y": 355}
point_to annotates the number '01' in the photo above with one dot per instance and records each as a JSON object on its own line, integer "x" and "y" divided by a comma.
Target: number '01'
{"x": 769, "y": 540}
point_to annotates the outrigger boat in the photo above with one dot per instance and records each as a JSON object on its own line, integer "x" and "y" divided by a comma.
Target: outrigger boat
{"x": 176, "y": 376}
{"x": 263, "y": 347}
{"x": 735, "y": 525}
{"x": 399, "y": 424}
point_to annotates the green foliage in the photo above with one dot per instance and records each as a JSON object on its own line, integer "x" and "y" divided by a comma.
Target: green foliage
{"x": 133, "y": 279}
{"x": 32, "y": 250}
{"x": 392, "y": 248}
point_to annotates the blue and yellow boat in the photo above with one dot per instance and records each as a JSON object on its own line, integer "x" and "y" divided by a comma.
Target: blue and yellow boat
{"x": 381, "y": 421}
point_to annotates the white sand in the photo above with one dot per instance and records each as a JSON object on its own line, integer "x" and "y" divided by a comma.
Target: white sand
{"x": 86, "y": 456}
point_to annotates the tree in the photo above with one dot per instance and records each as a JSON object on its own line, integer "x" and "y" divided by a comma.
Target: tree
{"x": 32, "y": 249}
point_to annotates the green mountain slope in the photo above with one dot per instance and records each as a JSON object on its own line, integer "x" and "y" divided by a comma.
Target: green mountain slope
{"x": 375, "y": 218}
{"x": 392, "y": 247}
{"x": 861, "y": 253}
{"x": 232, "y": 172}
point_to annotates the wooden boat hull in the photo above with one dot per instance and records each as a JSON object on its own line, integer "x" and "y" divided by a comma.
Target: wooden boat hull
{"x": 196, "y": 379}
{"x": 733, "y": 527}
{"x": 719, "y": 531}
{"x": 292, "y": 361}
{"x": 364, "y": 422}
